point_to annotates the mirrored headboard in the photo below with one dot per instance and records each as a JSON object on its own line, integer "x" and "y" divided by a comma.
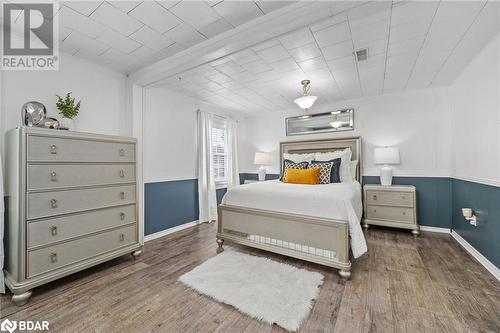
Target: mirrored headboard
{"x": 327, "y": 145}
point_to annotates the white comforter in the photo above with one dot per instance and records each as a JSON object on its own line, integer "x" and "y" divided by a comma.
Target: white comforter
{"x": 339, "y": 201}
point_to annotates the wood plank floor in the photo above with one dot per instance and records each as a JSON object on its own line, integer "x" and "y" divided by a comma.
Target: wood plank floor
{"x": 403, "y": 284}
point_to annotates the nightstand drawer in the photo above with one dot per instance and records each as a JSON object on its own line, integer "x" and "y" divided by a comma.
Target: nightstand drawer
{"x": 389, "y": 198}
{"x": 397, "y": 214}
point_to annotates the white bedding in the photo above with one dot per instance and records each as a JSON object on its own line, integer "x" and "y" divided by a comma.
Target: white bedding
{"x": 339, "y": 201}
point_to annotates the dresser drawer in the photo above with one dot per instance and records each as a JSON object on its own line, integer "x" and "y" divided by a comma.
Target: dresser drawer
{"x": 56, "y": 175}
{"x": 398, "y": 214}
{"x": 46, "y": 204}
{"x": 46, "y": 149}
{"x": 390, "y": 198}
{"x": 60, "y": 255}
{"x": 45, "y": 232}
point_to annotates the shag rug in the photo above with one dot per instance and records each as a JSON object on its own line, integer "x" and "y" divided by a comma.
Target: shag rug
{"x": 259, "y": 287}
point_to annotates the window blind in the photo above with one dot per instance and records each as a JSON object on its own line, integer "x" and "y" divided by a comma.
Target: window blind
{"x": 219, "y": 150}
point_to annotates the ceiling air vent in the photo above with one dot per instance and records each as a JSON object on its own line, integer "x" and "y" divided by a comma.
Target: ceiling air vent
{"x": 362, "y": 55}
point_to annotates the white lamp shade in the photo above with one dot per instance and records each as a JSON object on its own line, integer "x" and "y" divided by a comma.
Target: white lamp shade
{"x": 262, "y": 158}
{"x": 386, "y": 155}
{"x": 305, "y": 102}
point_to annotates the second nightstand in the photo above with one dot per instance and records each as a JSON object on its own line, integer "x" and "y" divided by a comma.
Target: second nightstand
{"x": 391, "y": 206}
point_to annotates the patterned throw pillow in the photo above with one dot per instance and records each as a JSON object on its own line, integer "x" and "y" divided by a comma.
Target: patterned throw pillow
{"x": 287, "y": 164}
{"x": 330, "y": 170}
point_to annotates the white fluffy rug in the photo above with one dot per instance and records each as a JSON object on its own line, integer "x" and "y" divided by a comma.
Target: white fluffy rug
{"x": 259, "y": 287}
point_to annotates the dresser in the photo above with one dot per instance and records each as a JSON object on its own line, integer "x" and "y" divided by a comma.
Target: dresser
{"x": 391, "y": 206}
{"x": 71, "y": 204}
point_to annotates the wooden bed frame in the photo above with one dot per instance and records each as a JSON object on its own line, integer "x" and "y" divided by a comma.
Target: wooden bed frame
{"x": 319, "y": 240}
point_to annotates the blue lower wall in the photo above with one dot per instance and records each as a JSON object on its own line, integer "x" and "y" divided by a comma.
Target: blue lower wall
{"x": 172, "y": 203}
{"x": 485, "y": 201}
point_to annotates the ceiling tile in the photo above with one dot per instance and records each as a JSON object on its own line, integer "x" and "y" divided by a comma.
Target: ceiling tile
{"x": 369, "y": 14}
{"x": 409, "y": 30}
{"x": 151, "y": 38}
{"x": 229, "y": 68}
{"x": 238, "y": 12}
{"x": 155, "y": 16}
{"x": 89, "y": 45}
{"x": 143, "y": 52}
{"x": 284, "y": 65}
{"x": 339, "y": 50}
{"x": 407, "y": 46}
{"x": 167, "y": 4}
{"x": 312, "y": 64}
{"x": 333, "y": 35}
{"x": 297, "y": 38}
{"x": 76, "y": 21}
{"x": 457, "y": 10}
{"x": 305, "y": 52}
{"x": 197, "y": 13}
{"x": 116, "y": 19}
{"x": 83, "y": 7}
{"x": 118, "y": 41}
{"x": 185, "y": 35}
{"x": 408, "y": 11}
{"x": 117, "y": 56}
{"x": 376, "y": 31}
{"x": 171, "y": 50}
{"x": 125, "y": 6}
{"x": 215, "y": 28}
{"x": 268, "y": 6}
{"x": 257, "y": 67}
{"x": 274, "y": 53}
{"x": 243, "y": 57}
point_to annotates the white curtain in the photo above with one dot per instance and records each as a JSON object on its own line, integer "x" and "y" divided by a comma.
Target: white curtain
{"x": 233, "y": 172}
{"x": 2, "y": 286}
{"x": 207, "y": 198}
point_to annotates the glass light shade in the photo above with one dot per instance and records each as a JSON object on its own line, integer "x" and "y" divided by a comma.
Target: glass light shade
{"x": 305, "y": 102}
{"x": 262, "y": 158}
{"x": 336, "y": 123}
{"x": 386, "y": 155}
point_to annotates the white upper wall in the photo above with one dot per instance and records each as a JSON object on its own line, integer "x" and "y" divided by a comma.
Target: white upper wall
{"x": 475, "y": 96}
{"x": 169, "y": 134}
{"x": 101, "y": 90}
{"x": 418, "y": 122}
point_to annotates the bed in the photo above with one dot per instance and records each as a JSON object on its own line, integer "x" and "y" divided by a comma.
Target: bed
{"x": 317, "y": 223}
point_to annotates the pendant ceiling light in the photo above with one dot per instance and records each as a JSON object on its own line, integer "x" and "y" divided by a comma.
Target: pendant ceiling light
{"x": 306, "y": 101}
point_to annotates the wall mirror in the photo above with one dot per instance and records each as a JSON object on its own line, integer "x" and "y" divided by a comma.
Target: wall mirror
{"x": 342, "y": 120}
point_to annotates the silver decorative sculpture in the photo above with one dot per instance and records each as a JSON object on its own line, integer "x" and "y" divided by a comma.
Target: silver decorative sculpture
{"x": 33, "y": 113}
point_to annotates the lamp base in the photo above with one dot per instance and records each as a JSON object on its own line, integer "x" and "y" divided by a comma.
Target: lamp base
{"x": 262, "y": 174}
{"x": 386, "y": 175}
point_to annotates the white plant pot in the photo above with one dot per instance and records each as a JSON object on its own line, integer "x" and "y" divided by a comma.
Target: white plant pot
{"x": 67, "y": 123}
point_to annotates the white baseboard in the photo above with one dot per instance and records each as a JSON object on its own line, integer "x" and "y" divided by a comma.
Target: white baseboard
{"x": 476, "y": 254}
{"x": 435, "y": 229}
{"x": 169, "y": 231}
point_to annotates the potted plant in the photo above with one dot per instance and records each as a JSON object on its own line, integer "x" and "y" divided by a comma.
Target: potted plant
{"x": 68, "y": 109}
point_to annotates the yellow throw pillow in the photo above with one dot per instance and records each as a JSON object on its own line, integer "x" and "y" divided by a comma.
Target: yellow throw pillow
{"x": 303, "y": 176}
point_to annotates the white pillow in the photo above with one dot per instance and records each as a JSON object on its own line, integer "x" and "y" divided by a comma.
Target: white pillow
{"x": 297, "y": 158}
{"x": 345, "y": 160}
{"x": 353, "y": 165}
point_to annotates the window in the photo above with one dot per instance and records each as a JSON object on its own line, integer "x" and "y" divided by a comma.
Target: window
{"x": 219, "y": 151}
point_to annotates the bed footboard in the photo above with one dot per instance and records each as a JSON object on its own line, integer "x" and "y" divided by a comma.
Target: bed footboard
{"x": 318, "y": 240}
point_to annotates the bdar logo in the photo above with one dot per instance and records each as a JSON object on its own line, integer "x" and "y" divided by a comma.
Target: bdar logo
{"x": 8, "y": 326}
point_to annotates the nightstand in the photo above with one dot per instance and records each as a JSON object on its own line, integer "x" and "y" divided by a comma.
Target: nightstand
{"x": 391, "y": 206}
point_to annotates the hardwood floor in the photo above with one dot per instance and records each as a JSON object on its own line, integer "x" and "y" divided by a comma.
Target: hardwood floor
{"x": 403, "y": 284}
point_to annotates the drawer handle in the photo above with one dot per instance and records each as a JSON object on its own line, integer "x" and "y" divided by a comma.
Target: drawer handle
{"x": 404, "y": 213}
{"x": 122, "y": 195}
{"x": 53, "y": 176}
{"x": 53, "y": 230}
{"x": 53, "y": 203}
{"x": 53, "y": 149}
{"x": 121, "y": 173}
{"x": 53, "y": 257}
{"x": 374, "y": 197}
{"x": 121, "y": 152}
{"x": 374, "y": 210}
{"x": 403, "y": 197}
{"x": 122, "y": 237}
{"x": 122, "y": 216}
